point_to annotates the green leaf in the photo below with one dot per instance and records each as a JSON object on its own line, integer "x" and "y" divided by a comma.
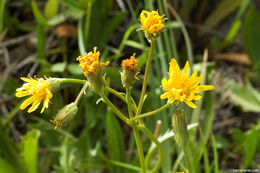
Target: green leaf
{"x": 6, "y": 167}
{"x": 74, "y": 69}
{"x": 225, "y": 8}
{"x": 115, "y": 141}
{"x": 2, "y": 9}
{"x": 61, "y": 17}
{"x": 40, "y": 43}
{"x": 221, "y": 142}
{"x": 8, "y": 149}
{"x": 51, "y": 9}
{"x": 67, "y": 158}
{"x": 37, "y": 14}
{"x": 215, "y": 153}
{"x": 251, "y": 147}
{"x": 58, "y": 67}
{"x": 209, "y": 114}
{"x": 244, "y": 96}
{"x": 111, "y": 25}
{"x": 73, "y": 4}
{"x": 81, "y": 43}
{"x": 251, "y": 37}
{"x": 29, "y": 151}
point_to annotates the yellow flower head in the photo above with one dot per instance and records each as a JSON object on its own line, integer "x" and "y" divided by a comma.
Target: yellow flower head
{"x": 182, "y": 88}
{"x": 89, "y": 63}
{"x": 130, "y": 64}
{"x": 38, "y": 89}
{"x": 152, "y": 22}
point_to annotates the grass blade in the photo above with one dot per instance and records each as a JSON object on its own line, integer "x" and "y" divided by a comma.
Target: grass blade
{"x": 215, "y": 154}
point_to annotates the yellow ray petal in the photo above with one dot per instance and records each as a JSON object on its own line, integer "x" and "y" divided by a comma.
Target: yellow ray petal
{"x": 186, "y": 68}
{"x": 34, "y": 106}
{"x": 165, "y": 95}
{"x": 190, "y": 104}
{"x": 27, "y": 102}
{"x": 205, "y": 87}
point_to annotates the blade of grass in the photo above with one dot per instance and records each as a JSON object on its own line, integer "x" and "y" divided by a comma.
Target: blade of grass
{"x": 165, "y": 33}
{"x": 87, "y": 22}
{"x": 2, "y": 10}
{"x": 186, "y": 36}
{"x": 73, "y": 4}
{"x": 134, "y": 17}
{"x": 115, "y": 142}
{"x": 205, "y": 152}
{"x": 215, "y": 153}
{"x": 81, "y": 44}
{"x": 40, "y": 43}
{"x": 196, "y": 112}
{"x": 37, "y": 14}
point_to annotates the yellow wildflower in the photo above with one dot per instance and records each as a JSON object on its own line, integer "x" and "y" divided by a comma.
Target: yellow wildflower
{"x": 89, "y": 63}
{"x": 130, "y": 64}
{"x": 39, "y": 89}
{"x": 182, "y": 88}
{"x": 152, "y": 22}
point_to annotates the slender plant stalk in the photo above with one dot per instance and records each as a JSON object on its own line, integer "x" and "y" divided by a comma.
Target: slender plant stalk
{"x": 140, "y": 104}
{"x": 136, "y": 132}
{"x": 121, "y": 96}
{"x": 69, "y": 80}
{"x": 186, "y": 158}
{"x": 81, "y": 92}
{"x": 158, "y": 145}
{"x": 151, "y": 113}
{"x": 114, "y": 109}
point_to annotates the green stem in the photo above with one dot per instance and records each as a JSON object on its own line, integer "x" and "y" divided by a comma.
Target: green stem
{"x": 150, "y": 113}
{"x": 69, "y": 80}
{"x": 115, "y": 110}
{"x": 140, "y": 104}
{"x": 186, "y": 158}
{"x": 81, "y": 92}
{"x": 121, "y": 96}
{"x": 136, "y": 132}
{"x": 158, "y": 145}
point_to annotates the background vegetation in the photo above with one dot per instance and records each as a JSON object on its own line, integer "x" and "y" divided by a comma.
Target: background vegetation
{"x": 45, "y": 37}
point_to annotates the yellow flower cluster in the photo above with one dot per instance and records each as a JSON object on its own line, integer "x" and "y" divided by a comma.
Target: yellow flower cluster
{"x": 182, "y": 88}
{"x": 39, "y": 89}
{"x": 152, "y": 22}
{"x": 89, "y": 63}
{"x": 130, "y": 64}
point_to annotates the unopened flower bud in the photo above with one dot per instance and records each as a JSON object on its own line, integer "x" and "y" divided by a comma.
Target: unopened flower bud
{"x": 179, "y": 128}
{"x": 128, "y": 76}
{"x": 65, "y": 115}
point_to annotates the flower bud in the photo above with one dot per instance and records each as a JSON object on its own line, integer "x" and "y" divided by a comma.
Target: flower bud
{"x": 179, "y": 128}
{"x": 65, "y": 115}
{"x": 128, "y": 76}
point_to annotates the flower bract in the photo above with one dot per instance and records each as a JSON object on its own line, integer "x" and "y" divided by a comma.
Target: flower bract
{"x": 181, "y": 87}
